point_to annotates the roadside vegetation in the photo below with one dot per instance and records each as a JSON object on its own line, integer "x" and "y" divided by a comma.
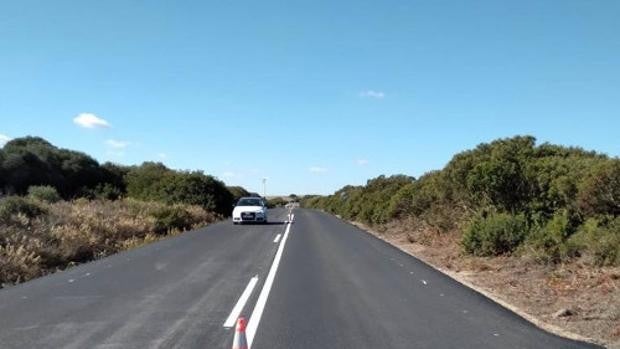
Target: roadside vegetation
{"x": 534, "y": 225}
{"x": 507, "y": 197}
{"x": 60, "y": 207}
{"x": 277, "y": 201}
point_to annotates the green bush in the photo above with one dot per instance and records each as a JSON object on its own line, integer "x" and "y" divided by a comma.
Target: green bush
{"x": 276, "y": 202}
{"x": 599, "y": 193}
{"x": 156, "y": 182}
{"x": 44, "y": 193}
{"x": 549, "y": 242}
{"x": 546, "y": 192}
{"x": 171, "y": 218}
{"x": 494, "y": 234}
{"x": 105, "y": 191}
{"x": 14, "y": 205}
{"x": 32, "y": 161}
{"x": 600, "y": 238}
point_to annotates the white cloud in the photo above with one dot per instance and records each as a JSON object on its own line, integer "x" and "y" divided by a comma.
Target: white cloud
{"x": 116, "y": 144}
{"x": 372, "y": 94}
{"x": 89, "y": 120}
{"x": 4, "y": 139}
{"x": 317, "y": 169}
{"x": 362, "y": 162}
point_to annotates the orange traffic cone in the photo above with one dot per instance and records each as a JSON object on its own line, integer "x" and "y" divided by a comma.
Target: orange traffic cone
{"x": 239, "y": 341}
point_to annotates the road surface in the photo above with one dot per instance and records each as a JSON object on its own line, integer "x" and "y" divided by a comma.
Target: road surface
{"x": 317, "y": 283}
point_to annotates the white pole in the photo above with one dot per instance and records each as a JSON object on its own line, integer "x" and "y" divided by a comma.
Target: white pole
{"x": 264, "y": 187}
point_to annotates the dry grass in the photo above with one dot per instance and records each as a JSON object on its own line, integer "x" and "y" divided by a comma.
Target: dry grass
{"x": 68, "y": 233}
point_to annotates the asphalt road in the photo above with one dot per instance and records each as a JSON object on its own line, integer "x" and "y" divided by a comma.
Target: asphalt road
{"x": 321, "y": 283}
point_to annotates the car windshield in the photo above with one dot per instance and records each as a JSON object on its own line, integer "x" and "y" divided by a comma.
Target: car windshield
{"x": 250, "y": 202}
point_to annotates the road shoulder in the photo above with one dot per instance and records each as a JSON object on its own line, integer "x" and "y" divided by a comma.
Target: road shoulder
{"x": 471, "y": 279}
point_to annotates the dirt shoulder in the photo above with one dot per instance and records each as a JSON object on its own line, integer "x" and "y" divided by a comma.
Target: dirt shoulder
{"x": 572, "y": 300}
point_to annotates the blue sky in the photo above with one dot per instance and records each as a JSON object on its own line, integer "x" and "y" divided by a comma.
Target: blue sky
{"x": 310, "y": 94}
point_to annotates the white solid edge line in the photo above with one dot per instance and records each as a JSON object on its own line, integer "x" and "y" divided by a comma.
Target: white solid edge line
{"x": 234, "y": 314}
{"x": 277, "y": 238}
{"x": 264, "y": 293}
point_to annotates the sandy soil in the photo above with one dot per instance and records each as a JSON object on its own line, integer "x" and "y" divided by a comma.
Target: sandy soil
{"x": 587, "y": 297}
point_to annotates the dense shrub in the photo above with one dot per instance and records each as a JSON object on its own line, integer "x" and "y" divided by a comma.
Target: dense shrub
{"x": 600, "y": 191}
{"x": 15, "y": 205}
{"x": 238, "y": 192}
{"x": 44, "y": 193}
{"x": 171, "y": 218}
{"x": 599, "y": 238}
{"x": 541, "y": 200}
{"x": 494, "y": 234}
{"x": 549, "y": 240}
{"x": 104, "y": 191}
{"x": 276, "y": 202}
{"x": 32, "y": 161}
{"x": 369, "y": 204}
{"x": 155, "y": 182}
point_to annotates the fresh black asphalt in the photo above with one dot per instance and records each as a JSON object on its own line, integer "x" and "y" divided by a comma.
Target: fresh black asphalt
{"x": 336, "y": 287}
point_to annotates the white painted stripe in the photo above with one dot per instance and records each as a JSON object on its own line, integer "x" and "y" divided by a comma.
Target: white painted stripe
{"x": 234, "y": 314}
{"x": 277, "y": 238}
{"x": 264, "y": 293}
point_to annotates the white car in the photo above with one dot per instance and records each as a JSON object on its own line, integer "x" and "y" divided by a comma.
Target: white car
{"x": 250, "y": 209}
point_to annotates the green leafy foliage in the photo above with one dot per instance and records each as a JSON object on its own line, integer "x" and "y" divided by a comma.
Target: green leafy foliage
{"x": 494, "y": 234}
{"x": 370, "y": 203}
{"x": 14, "y": 205}
{"x": 599, "y": 238}
{"x": 169, "y": 218}
{"x": 238, "y": 192}
{"x": 32, "y": 161}
{"x": 600, "y": 191}
{"x": 536, "y": 198}
{"x": 44, "y": 193}
{"x": 156, "y": 182}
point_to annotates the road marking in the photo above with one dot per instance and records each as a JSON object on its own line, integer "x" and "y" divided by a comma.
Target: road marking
{"x": 234, "y": 314}
{"x": 264, "y": 293}
{"x": 424, "y": 282}
{"x": 277, "y": 238}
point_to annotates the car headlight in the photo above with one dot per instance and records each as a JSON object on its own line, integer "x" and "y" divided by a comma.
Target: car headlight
{"x": 260, "y": 213}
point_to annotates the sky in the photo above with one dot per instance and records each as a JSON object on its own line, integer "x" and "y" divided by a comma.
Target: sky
{"x": 311, "y": 95}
